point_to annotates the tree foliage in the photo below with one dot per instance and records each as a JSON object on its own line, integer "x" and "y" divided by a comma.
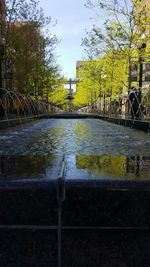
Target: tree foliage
{"x": 88, "y": 88}
{"x": 114, "y": 41}
{"x": 59, "y": 96}
{"x": 118, "y": 28}
{"x": 30, "y": 47}
{"x": 99, "y": 78}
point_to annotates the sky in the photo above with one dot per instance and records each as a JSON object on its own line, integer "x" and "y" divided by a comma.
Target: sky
{"x": 72, "y": 19}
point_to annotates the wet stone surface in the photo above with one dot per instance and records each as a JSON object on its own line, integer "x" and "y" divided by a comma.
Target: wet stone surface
{"x": 28, "y": 205}
{"x": 22, "y": 248}
{"x": 106, "y": 248}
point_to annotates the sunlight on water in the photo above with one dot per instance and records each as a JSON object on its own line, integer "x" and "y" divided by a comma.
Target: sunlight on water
{"x": 92, "y": 148}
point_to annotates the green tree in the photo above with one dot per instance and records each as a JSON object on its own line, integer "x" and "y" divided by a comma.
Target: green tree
{"x": 99, "y": 79}
{"x": 31, "y": 48}
{"x": 89, "y": 85}
{"x": 120, "y": 31}
{"x": 59, "y": 96}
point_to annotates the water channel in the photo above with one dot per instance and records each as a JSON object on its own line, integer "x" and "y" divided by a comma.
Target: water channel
{"x": 93, "y": 149}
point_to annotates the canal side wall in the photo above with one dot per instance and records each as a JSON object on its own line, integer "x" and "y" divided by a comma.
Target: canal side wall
{"x": 135, "y": 124}
{"x": 9, "y": 123}
{"x": 103, "y": 223}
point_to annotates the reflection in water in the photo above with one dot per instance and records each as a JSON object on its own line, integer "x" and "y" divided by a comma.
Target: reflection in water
{"x": 29, "y": 167}
{"x": 81, "y": 166}
{"x": 102, "y": 164}
{"x": 115, "y": 167}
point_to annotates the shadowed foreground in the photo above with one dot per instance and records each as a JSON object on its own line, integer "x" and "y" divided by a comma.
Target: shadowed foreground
{"x": 102, "y": 224}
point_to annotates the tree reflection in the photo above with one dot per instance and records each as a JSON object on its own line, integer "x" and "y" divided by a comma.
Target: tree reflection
{"x": 136, "y": 164}
{"x": 136, "y": 167}
{"x": 102, "y": 164}
{"x": 17, "y": 167}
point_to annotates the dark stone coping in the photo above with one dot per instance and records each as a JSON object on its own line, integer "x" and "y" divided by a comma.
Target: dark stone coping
{"x": 110, "y": 185}
{"x": 93, "y": 183}
{"x": 27, "y": 184}
{"x": 87, "y": 203}
{"x": 135, "y": 124}
{"x": 74, "y": 116}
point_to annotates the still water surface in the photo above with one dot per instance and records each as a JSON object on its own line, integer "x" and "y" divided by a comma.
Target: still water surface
{"x": 92, "y": 149}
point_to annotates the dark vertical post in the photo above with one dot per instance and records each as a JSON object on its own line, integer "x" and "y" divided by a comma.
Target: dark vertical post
{"x": 100, "y": 96}
{"x": 70, "y": 96}
{"x": 70, "y": 93}
{"x": 35, "y": 90}
{"x": 1, "y": 76}
{"x": 1, "y": 91}
{"x": 140, "y": 78}
{"x": 141, "y": 71}
{"x": 70, "y": 89}
{"x": 8, "y": 74}
{"x": 129, "y": 88}
{"x": 1, "y": 62}
{"x": 104, "y": 108}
